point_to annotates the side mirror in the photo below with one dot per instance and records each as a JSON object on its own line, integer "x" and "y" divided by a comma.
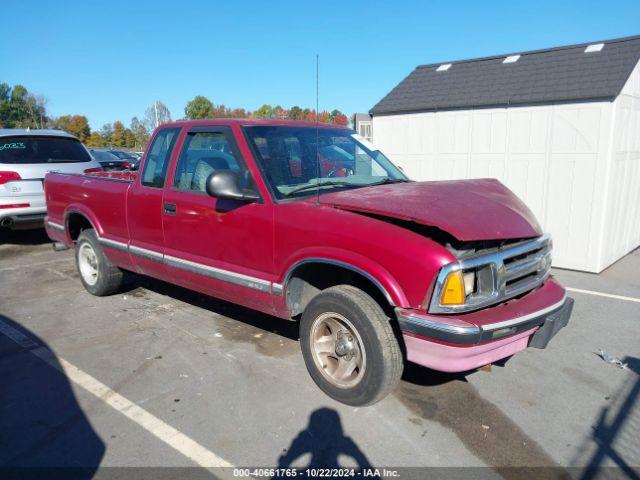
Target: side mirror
{"x": 226, "y": 184}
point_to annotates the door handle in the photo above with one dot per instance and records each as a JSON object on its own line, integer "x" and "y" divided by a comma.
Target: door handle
{"x": 170, "y": 208}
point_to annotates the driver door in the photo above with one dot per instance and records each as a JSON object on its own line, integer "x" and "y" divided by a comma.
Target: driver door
{"x": 219, "y": 246}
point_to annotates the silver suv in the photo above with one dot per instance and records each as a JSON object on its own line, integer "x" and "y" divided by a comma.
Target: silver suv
{"x": 26, "y": 156}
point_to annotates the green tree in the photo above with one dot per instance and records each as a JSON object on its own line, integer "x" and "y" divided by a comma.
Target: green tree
{"x": 129, "y": 138}
{"x": 265, "y": 111}
{"x": 5, "y": 104}
{"x": 21, "y": 109}
{"x": 295, "y": 113}
{"x": 77, "y": 125}
{"x": 197, "y": 108}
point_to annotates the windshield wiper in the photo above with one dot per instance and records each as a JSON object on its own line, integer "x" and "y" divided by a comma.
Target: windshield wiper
{"x": 61, "y": 160}
{"x": 322, "y": 184}
{"x": 389, "y": 180}
{"x": 331, "y": 183}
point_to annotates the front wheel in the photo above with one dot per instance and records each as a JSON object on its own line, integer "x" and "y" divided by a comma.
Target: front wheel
{"x": 99, "y": 276}
{"x": 349, "y": 346}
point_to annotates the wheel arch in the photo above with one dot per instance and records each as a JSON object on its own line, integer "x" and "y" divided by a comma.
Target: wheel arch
{"x": 308, "y": 276}
{"x": 76, "y": 220}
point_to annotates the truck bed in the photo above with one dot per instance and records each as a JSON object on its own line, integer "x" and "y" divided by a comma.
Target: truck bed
{"x": 102, "y": 195}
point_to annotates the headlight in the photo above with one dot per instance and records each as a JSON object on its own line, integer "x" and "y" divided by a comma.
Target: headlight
{"x": 469, "y": 282}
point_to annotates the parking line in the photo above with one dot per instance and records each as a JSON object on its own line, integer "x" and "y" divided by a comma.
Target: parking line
{"x": 601, "y": 294}
{"x": 160, "y": 429}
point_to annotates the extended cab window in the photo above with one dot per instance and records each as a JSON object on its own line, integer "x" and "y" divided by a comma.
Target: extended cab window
{"x": 155, "y": 165}
{"x": 202, "y": 154}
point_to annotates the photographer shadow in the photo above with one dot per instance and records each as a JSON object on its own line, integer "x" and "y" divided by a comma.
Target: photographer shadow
{"x": 325, "y": 441}
{"x": 44, "y": 432}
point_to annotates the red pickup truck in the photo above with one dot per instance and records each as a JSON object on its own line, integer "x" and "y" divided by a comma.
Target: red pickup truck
{"x": 312, "y": 224}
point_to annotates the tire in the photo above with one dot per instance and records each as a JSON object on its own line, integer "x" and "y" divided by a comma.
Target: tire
{"x": 99, "y": 276}
{"x": 363, "y": 343}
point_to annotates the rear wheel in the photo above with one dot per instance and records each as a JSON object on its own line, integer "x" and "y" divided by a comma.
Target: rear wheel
{"x": 99, "y": 276}
{"x": 349, "y": 346}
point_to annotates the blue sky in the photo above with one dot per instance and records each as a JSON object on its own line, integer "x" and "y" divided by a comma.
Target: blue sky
{"x": 111, "y": 59}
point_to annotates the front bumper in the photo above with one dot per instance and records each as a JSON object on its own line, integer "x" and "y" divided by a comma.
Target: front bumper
{"x": 463, "y": 342}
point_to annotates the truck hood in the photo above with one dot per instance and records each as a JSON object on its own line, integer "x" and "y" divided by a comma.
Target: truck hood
{"x": 469, "y": 210}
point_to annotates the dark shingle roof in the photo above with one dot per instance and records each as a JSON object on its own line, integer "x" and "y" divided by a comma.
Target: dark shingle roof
{"x": 559, "y": 74}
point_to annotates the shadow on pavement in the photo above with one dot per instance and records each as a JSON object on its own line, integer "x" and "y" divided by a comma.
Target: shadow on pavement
{"x": 236, "y": 312}
{"x": 42, "y": 426}
{"x": 617, "y": 432}
{"x": 425, "y": 377}
{"x": 34, "y": 236}
{"x": 323, "y": 440}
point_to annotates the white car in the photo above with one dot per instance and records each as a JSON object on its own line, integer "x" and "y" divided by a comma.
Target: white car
{"x": 26, "y": 156}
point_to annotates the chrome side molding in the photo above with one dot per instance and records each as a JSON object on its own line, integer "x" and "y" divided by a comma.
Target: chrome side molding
{"x": 194, "y": 267}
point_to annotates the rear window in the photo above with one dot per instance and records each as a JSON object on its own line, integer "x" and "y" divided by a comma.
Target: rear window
{"x": 24, "y": 150}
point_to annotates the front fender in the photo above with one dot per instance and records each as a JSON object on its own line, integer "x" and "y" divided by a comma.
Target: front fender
{"x": 366, "y": 267}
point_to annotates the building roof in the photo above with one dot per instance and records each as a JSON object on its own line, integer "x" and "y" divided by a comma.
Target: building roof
{"x": 561, "y": 74}
{"x": 26, "y": 132}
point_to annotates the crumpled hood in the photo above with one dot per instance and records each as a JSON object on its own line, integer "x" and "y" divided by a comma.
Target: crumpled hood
{"x": 469, "y": 210}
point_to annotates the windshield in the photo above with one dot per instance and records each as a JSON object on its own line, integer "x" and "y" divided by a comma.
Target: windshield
{"x": 294, "y": 167}
{"x": 29, "y": 150}
{"x": 103, "y": 156}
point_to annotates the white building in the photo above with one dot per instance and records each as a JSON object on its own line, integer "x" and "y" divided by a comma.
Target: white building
{"x": 560, "y": 127}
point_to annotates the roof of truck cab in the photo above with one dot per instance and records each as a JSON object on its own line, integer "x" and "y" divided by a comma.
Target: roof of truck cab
{"x": 26, "y": 132}
{"x": 253, "y": 122}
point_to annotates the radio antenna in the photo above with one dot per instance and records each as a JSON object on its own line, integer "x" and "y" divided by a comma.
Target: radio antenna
{"x": 318, "y": 173}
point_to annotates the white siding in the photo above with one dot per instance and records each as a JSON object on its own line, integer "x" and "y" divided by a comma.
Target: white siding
{"x": 622, "y": 220}
{"x": 554, "y": 157}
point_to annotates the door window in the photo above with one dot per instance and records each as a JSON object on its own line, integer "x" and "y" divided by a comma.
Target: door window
{"x": 155, "y": 165}
{"x": 204, "y": 153}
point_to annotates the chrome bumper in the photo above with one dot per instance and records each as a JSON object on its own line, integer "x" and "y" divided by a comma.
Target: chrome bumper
{"x": 453, "y": 330}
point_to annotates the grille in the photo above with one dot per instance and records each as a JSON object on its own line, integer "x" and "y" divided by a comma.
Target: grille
{"x": 523, "y": 271}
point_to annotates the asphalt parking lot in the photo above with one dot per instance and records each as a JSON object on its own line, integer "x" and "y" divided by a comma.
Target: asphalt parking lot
{"x": 160, "y": 376}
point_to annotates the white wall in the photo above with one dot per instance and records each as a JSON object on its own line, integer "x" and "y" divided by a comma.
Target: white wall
{"x": 622, "y": 222}
{"x": 554, "y": 157}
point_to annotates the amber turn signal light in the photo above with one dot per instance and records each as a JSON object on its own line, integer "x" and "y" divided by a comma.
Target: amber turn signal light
{"x": 453, "y": 292}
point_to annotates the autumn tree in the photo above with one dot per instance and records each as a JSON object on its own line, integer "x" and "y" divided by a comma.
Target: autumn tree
{"x": 77, "y": 125}
{"x": 96, "y": 140}
{"x": 239, "y": 113}
{"x": 339, "y": 118}
{"x": 118, "y": 138}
